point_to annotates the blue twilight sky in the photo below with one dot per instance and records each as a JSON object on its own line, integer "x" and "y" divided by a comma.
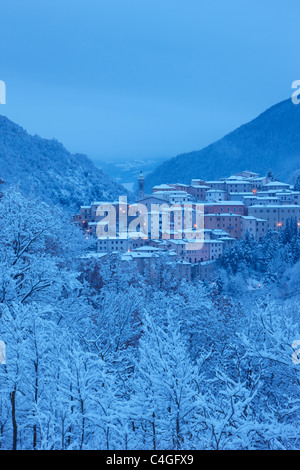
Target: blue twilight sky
{"x": 130, "y": 79}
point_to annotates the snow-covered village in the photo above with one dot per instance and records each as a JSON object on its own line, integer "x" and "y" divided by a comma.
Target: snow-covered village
{"x": 230, "y": 209}
{"x": 149, "y": 228}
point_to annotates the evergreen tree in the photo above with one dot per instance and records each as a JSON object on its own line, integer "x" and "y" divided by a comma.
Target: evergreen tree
{"x": 297, "y": 184}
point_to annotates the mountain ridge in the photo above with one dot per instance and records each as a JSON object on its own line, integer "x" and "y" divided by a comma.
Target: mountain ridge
{"x": 269, "y": 141}
{"x": 46, "y": 168}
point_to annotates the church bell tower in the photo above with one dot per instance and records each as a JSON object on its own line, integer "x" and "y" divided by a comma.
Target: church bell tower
{"x": 141, "y": 186}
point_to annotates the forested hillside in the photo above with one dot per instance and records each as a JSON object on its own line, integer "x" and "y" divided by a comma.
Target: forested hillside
{"x": 271, "y": 141}
{"x": 99, "y": 357}
{"x": 46, "y": 169}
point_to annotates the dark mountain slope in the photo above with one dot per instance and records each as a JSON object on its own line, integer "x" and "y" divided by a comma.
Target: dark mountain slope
{"x": 47, "y": 169}
{"x": 271, "y": 141}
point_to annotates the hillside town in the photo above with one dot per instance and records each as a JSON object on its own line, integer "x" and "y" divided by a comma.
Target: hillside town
{"x": 229, "y": 208}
